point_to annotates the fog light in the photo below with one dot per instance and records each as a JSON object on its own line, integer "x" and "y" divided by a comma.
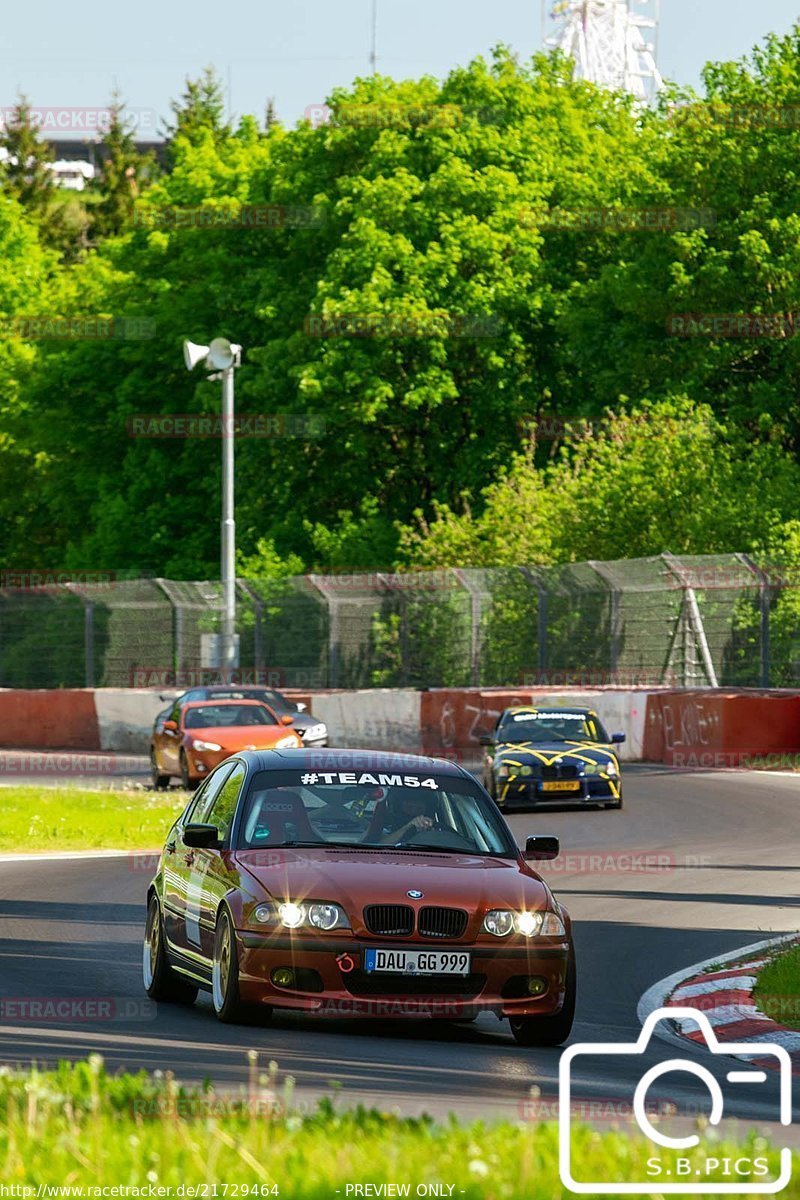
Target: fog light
{"x": 537, "y": 986}
{"x": 282, "y": 976}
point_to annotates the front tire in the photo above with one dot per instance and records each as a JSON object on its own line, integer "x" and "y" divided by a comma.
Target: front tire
{"x": 161, "y": 981}
{"x": 160, "y": 782}
{"x": 186, "y": 779}
{"x": 228, "y": 1004}
{"x": 550, "y": 1031}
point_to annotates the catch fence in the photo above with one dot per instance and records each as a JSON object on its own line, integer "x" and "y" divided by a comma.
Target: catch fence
{"x": 722, "y": 620}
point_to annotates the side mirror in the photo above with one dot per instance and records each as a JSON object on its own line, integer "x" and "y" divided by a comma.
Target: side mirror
{"x": 618, "y": 738}
{"x": 170, "y": 726}
{"x": 301, "y": 707}
{"x": 287, "y": 719}
{"x": 541, "y": 848}
{"x": 486, "y": 739}
{"x": 203, "y": 837}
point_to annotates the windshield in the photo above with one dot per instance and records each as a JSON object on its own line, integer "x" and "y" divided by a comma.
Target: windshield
{"x": 551, "y": 726}
{"x": 216, "y": 716}
{"x": 376, "y": 810}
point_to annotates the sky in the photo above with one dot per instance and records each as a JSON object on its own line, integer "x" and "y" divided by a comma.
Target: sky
{"x": 64, "y": 56}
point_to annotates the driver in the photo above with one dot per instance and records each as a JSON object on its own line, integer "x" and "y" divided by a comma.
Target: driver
{"x": 406, "y": 812}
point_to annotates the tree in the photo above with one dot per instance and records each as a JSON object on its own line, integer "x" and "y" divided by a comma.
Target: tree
{"x": 26, "y": 169}
{"x": 198, "y": 114}
{"x": 122, "y": 174}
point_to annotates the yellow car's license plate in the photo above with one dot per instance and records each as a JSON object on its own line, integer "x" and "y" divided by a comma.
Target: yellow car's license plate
{"x": 562, "y": 785}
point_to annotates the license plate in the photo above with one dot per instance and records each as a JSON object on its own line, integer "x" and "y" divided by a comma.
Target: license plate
{"x": 417, "y": 962}
{"x": 562, "y": 785}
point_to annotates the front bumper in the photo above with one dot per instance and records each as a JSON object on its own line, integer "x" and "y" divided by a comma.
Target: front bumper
{"x": 331, "y": 981}
{"x": 529, "y": 792}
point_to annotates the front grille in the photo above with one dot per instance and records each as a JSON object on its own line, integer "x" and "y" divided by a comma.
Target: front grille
{"x": 442, "y": 922}
{"x": 362, "y": 983}
{"x": 389, "y": 920}
{"x": 566, "y": 771}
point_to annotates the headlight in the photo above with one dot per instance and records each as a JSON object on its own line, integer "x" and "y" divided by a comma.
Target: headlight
{"x": 593, "y": 768}
{"x": 286, "y": 743}
{"x": 201, "y": 745}
{"x": 314, "y": 914}
{"x": 611, "y": 769}
{"x": 324, "y": 916}
{"x": 499, "y": 921}
{"x": 504, "y": 770}
{"x": 528, "y": 923}
{"x": 291, "y": 915}
{"x": 315, "y": 732}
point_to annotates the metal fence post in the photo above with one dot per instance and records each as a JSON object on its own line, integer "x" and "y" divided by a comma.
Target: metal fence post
{"x": 764, "y": 607}
{"x": 258, "y": 623}
{"x": 475, "y": 626}
{"x": 542, "y": 617}
{"x": 615, "y": 616}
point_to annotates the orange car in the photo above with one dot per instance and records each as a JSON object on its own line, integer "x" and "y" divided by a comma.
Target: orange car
{"x": 197, "y": 737}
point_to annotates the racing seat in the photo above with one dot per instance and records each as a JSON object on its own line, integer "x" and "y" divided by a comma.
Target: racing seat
{"x": 279, "y": 816}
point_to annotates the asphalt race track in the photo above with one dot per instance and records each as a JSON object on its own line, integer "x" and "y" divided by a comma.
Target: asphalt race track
{"x": 728, "y": 876}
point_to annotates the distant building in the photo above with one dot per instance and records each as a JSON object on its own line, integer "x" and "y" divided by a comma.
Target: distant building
{"x": 72, "y": 173}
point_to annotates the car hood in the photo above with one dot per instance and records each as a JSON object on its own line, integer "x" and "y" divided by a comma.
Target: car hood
{"x": 548, "y": 753}
{"x": 359, "y": 877}
{"x": 242, "y": 737}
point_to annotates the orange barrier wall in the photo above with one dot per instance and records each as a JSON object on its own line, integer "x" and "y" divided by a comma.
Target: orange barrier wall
{"x": 722, "y": 729}
{"x": 49, "y": 720}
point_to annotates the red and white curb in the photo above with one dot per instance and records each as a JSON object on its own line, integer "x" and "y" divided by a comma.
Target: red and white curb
{"x": 722, "y": 989}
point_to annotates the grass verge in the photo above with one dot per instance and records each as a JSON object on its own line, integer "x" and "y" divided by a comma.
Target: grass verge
{"x": 79, "y": 1127}
{"x": 73, "y": 819}
{"x": 777, "y": 992}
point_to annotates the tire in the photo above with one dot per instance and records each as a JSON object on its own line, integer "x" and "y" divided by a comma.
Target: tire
{"x": 225, "y": 996}
{"x": 161, "y": 981}
{"x": 186, "y": 779}
{"x": 549, "y": 1031}
{"x": 160, "y": 782}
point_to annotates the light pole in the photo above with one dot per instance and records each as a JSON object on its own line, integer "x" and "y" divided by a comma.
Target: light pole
{"x": 223, "y": 357}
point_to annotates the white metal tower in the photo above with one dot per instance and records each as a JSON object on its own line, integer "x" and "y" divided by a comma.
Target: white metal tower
{"x": 613, "y": 42}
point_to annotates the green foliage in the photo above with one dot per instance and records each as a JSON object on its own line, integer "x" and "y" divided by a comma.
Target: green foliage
{"x": 83, "y": 1124}
{"x": 419, "y": 211}
{"x": 122, "y": 174}
{"x": 43, "y": 818}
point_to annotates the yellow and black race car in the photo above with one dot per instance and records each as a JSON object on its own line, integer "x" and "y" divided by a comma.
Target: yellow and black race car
{"x": 538, "y": 756}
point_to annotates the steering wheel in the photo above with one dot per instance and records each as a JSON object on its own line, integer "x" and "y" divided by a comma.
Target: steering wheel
{"x": 436, "y": 827}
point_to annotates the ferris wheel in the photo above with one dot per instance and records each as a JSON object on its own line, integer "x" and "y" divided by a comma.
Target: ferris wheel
{"x": 612, "y": 42}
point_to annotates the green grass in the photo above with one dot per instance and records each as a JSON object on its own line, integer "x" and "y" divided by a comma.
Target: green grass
{"x": 777, "y": 992}
{"x": 80, "y": 1127}
{"x": 36, "y": 818}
